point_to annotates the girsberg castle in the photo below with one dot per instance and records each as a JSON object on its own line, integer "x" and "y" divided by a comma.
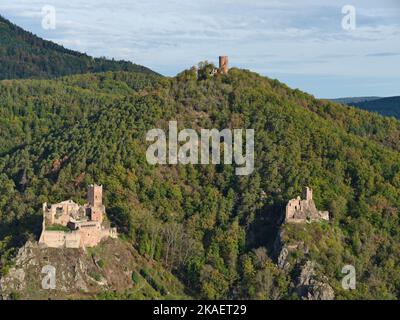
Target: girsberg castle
{"x": 304, "y": 210}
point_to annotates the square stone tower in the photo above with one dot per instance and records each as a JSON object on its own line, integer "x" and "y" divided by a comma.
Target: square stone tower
{"x": 223, "y": 64}
{"x": 307, "y": 194}
{"x": 95, "y": 196}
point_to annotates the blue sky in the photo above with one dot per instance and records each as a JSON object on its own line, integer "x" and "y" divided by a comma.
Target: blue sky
{"x": 300, "y": 42}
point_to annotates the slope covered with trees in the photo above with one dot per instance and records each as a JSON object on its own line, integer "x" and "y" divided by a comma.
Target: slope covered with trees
{"x": 24, "y": 55}
{"x": 385, "y": 106}
{"x": 214, "y": 230}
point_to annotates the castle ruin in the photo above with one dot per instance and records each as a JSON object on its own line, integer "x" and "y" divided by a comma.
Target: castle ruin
{"x": 223, "y": 67}
{"x": 223, "y": 64}
{"x": 67, "y": 224}
{"x": 304, "y": 210}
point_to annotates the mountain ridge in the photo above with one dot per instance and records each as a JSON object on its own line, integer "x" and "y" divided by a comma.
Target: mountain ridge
{"x": 387, "y": 106}
{"x": 23, "y": 55}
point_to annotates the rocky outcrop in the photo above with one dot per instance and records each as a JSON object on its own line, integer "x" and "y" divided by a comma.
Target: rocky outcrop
{"x": 282, "y": 250}
{"x": 77, "y": 272}
{"x": 309, "y": 287}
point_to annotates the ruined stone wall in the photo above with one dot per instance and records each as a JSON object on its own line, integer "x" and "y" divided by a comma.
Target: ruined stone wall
{"x": 92, "y": 236}
{"x": 85, "y": 237}
{"x": 88, "y": 234}
{"x": 97, "y": 213}
{"x": 292, "y": 206}
{"x": 41, "y": 239}
{"x": 302, "y": 210}
{"x": 65, "y": 208}
{"x": 61, "y": 220}
{"x": 73, "y": 240}
{"x": 324, "y": 215}
{"x": 60, "y": 239}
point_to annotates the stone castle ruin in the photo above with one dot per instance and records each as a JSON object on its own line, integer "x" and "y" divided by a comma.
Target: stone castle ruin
{"x": 223, "y": 66}
{"x": 70, "y": 225}
{"x": 304, "y": 210}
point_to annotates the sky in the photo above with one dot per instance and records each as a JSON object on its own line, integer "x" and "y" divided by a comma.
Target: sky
{"x": 300, "y": 42}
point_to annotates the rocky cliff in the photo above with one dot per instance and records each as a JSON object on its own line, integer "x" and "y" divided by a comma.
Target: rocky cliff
{"x": 293, "y": 257}
{"x": 114, "y": 267}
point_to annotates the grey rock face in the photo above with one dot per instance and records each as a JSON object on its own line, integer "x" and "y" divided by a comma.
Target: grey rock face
{"x": 309, "y": 287}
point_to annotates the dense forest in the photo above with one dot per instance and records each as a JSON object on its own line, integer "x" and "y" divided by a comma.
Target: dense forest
{"x": 212, "y": 229}
{"x": 385, "y": 106}
{"x": 24, "y": 55}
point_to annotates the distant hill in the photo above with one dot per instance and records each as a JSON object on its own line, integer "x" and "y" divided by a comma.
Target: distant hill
{"x": 385, "y": 106}
{"x": 351, "y": 100}
{"x": 24, "y": 55}
{"x": 389, "y": 106}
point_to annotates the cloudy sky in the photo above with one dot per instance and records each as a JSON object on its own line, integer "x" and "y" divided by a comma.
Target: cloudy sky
{"x": 300, "y": 42}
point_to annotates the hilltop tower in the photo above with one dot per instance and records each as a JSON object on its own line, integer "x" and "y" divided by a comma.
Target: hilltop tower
{"x": 223, "y": 64}
{"x": 95, "y": 195}
{"x": 95, "y": 199}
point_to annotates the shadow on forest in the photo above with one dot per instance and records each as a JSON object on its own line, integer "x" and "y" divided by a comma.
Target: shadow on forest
{"x": 264, "y": 229}
{"x": 22, "y": 229}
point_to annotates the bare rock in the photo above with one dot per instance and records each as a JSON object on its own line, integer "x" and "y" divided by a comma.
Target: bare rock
{"x": 320, "y": 291}
{"x": 309, "y": 287}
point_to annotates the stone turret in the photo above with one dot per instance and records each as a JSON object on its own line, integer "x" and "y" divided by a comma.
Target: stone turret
{"x": 223, "y": 64}
{"x": 95, "y": 195}
{"x": 307, "y": 194}
{"x": 95, "y": 199}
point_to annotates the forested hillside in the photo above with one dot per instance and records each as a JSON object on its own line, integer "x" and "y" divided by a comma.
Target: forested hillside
{"x": 385, "y": 106}
{"x": 214, "y": 230}
{"x": 24, "y": 55}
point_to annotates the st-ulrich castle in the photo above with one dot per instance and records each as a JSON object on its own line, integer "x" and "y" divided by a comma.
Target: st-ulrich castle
{"x": 70, "y": 225}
